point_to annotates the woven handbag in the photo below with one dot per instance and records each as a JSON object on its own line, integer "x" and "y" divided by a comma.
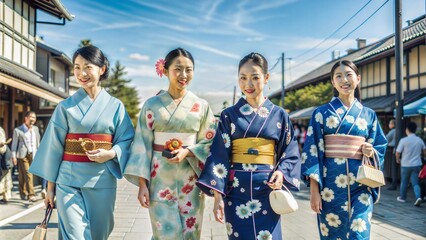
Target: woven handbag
{"x": 40, "y": 231}
{"x": 282, "y": 201}
{"x": 370, "y": 175}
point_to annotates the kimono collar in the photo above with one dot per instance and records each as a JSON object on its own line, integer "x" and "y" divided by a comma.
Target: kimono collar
{"x": 245, "y": 109}
{"x": 83, "y": 100}
{"x": 348, "y": 116}
{"x": 168, "y": 102}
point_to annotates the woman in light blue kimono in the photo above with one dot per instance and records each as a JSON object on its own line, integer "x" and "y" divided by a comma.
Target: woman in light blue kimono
{"x": 166, "y": 178}
{"x": 84, "y": 151}
{"x": 341, "y": 132}
{"x": 254, "y": 151}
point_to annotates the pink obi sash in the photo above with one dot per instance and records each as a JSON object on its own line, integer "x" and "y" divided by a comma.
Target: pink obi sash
{"x": 343, "y": 146}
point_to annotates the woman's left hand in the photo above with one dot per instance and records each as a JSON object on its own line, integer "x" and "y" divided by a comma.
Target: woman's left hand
{"x": 367, "y": 149}
{"x": 100, "y": 155}
{"x": 181, "y": 154}
{"x": 276, "y": 180}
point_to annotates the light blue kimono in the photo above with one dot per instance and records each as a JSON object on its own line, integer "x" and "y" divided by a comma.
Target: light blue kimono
{"x": 85, "y": 191}
{"x": 332, "y": 174}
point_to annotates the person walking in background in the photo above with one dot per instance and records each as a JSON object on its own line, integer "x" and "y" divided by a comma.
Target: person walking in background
{"x": 340, "y": 134}
{"x": 84, "y": 150}
{"x": 411, "y": 148}
{"x": 26, "y": 140}
{"x": 5, "y": 168}
{"x": 172, "y": 140}
{"x": 390, "y": 160}
{"x": 302, "y": 136}
{"x": 254, "y": 151}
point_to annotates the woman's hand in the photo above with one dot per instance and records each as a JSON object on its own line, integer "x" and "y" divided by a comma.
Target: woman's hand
{"x": 49, "y": 200}
{"x": 316, "y": 201}
{"x": 100, "y": 155}
{"x": 276, "y": 180}
{"x": 367, "y": 149}
{"x": 181, "y": 154}
{"x": 218, "y": 209}
{"x": 143, "y": 194}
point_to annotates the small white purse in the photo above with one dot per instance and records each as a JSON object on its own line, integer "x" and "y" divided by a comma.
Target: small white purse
{"x": 282, "y": 201}
{"x": 370, "y": 175}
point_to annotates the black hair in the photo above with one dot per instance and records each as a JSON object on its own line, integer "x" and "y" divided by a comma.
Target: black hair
{"x": 353, "y": 67}
{"x": 257, "y": 59}
{"x": 412, "y": 127}
{"x": 27, "y": 114}
{"x": 95, "y": 56}
{"x": 177, "y": 53}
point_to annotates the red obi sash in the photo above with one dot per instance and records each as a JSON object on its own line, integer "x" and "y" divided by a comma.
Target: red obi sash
{"x": 77, "y": 144}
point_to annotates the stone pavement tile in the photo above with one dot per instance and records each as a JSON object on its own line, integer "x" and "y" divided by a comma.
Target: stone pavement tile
{"x": 142, "y": 226}
{"x": 136, "y": 236}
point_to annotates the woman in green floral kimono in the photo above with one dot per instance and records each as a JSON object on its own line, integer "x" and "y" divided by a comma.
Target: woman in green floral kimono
{"x": 172, "y": 140}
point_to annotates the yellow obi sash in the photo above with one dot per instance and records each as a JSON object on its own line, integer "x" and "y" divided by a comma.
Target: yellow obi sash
{"x": 343, "y": 146}
{"x": 253, "y": 151}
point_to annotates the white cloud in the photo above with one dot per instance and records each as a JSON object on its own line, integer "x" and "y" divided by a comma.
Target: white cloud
{"x": 141, "y": 71}
{"x": 120, "y": 25}
{"x": 139, "y": 57}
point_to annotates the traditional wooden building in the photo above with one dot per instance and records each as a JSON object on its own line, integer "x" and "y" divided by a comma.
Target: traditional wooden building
{"x": 22, "y": 87}
{"x": 376, "y": 63}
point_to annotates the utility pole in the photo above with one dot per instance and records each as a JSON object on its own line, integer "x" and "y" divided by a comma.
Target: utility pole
{"x": 282, "y": 80}
{"x": 399, "y": 51}
{"x": 235, "y": 95}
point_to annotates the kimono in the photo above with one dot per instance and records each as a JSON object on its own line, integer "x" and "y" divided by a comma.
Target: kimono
{"x": 176, "y": 205}
{"x": 244, "y": 186}
{"x": 334, "y": 221}
{"x": 85, "y": 191}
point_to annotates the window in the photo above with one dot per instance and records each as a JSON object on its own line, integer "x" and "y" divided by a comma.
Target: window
{"x": 52, "y": 78}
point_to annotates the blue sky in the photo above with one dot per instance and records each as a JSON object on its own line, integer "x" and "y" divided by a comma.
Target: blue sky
{"x": 218, "y": 34}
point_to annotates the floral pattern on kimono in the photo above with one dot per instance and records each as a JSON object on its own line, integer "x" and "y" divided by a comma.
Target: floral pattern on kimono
{"x": 176, "y": 205}
{"x": 244, "y": 186}
{"x": 331, "y": 173}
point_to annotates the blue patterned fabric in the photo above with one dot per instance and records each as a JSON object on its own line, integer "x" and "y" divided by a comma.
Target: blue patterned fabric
{"x": 332, "y": 175}
{"x": 244, "y": 186}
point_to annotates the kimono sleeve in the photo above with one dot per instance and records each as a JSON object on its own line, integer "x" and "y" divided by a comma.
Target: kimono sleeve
{"x": 123, "y": 137}
{"x": 48, "y": 158}
{"x": 139, "y": 163}
{"x": 216, "y": 171}
{"x": 204, "y": 140}
{"x": 312, "y": 159}
{"x": 378, "y": 139}
{"x": 288, "y": 155}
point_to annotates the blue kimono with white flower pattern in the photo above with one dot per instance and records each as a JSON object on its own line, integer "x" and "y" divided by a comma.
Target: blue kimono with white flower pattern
{"x": 331, "y": 174}
{"x": 247, "y": 209}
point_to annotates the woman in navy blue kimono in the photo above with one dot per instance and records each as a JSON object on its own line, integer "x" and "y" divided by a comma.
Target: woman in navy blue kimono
{"x": 254, "y": 151}
{"x": 340, "y": 134}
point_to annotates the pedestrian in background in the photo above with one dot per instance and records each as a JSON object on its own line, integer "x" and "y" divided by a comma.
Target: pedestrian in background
{"x": 26, "y": 140}
{"x": 172, "y": 140}
{"x": 390, "y": 160}
{"x": 5, "y": 169}
{"x": 84, "y": 150}
{"x": 254, "y": 151}
{"x": 411, "y": 148}
{"x": 340, "y": 134}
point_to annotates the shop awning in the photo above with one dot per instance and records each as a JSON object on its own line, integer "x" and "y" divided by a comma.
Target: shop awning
{"x": 305, "y": 113}
{"x": 415, "y": 108}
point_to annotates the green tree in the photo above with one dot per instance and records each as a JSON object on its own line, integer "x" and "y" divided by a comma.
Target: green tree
{"x": 117, "y": 86}
{"x": 308, "y": 96}
{"x": 85, "y": 43}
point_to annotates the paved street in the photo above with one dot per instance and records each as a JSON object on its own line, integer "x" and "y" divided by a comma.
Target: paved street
{"x": 391, "y": 219}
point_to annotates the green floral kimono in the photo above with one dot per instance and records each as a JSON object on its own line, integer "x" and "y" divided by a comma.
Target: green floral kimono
{"x": 176, "y": 204}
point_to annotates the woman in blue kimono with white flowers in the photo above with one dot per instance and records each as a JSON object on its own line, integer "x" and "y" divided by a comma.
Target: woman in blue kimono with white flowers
{"x": 83, "y": 152}
{"x": 340, "y": 134}
{"x": 254, "y": 151}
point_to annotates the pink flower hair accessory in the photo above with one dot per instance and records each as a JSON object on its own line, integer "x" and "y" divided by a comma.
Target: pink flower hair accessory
{"x": 159, "y": 67}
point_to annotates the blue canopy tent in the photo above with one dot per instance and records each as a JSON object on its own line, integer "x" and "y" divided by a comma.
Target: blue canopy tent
{"x": 415, "y": 108}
